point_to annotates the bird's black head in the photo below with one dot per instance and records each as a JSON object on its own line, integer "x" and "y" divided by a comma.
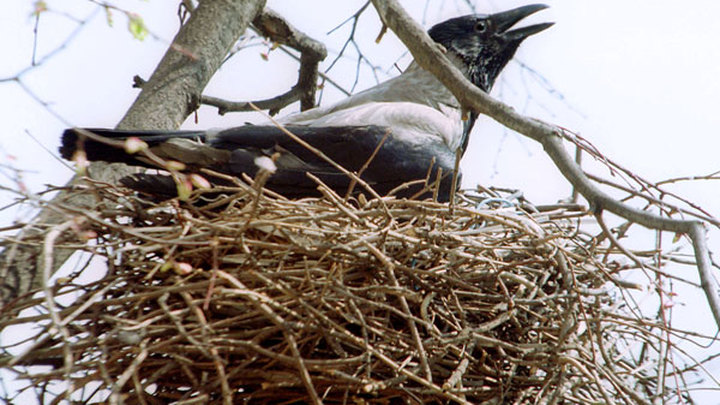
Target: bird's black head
{"x": 484, "y": 44}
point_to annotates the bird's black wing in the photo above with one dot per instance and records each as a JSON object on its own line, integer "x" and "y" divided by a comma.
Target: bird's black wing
{"x": 234, "y": 151}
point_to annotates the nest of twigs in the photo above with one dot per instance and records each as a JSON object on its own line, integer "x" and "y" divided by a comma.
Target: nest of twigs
{"x": 261, "y": 299}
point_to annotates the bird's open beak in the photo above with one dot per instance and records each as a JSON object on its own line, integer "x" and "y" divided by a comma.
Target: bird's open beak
{"x": 504, "y": 21}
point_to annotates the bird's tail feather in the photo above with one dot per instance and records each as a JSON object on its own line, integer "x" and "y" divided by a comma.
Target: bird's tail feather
{"x": 77, "y": 139}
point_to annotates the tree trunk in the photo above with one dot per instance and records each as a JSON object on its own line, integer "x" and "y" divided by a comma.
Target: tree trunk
{"x": 165, "y": 101}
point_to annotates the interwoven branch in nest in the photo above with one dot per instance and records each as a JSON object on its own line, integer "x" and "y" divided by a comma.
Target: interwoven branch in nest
{"x": 259, "y": 298}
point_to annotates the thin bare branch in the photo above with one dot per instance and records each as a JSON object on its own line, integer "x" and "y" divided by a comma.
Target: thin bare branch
{"x": 273, "y": 26}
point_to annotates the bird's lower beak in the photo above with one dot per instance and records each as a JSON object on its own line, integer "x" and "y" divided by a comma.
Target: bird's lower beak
{"x": 524, "y": 32}
{"x": 505, "y": 20}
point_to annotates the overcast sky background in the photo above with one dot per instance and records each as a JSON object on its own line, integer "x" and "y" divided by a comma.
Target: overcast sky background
{"x": 637, "y": 78}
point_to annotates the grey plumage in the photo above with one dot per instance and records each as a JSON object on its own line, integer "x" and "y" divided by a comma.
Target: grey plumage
{"x": 423, "y": 118}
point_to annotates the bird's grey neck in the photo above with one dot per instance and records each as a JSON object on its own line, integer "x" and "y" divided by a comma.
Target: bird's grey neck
{"x": 418, "y": 85}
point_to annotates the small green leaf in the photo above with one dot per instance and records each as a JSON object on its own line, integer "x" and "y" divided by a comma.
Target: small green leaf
{"x": 39, "y": 7}
{"x": 184, "y": 188}
{"x": 137, "y": 27}
{"x": 109, "y": 16}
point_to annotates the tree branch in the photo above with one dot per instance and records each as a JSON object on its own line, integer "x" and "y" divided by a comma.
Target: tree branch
{"x": 431, "y": 58}
{"x": 166, "y": 99}
{"x": 272, "y": 25}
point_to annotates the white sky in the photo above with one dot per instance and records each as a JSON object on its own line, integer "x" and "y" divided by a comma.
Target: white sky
{"x": 639, "y": 80}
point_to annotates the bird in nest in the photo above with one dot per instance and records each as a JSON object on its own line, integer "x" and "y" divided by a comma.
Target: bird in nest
{"x": 405, "y": 129}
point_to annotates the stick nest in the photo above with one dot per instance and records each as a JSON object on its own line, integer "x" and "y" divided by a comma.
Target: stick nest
{"x": 259, "y": 299}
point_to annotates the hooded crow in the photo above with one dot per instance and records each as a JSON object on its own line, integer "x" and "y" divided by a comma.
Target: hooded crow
{"x": 405, "y": 129}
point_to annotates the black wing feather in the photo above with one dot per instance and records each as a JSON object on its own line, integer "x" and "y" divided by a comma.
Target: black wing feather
{"x": 395, "y": 163}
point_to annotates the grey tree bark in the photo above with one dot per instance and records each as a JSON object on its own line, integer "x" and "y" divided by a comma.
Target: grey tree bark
{"x": 166, "y": 99}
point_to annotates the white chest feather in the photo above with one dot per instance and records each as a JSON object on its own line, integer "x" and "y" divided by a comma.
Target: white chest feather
{"x": 410, "y": 122}
{"x": 415, "y": 105}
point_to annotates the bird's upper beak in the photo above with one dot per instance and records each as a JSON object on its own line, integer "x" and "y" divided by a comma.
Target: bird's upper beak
{"x": 502, "y": 22}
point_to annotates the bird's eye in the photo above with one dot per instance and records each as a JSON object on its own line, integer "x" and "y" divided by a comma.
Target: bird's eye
{"x": 480, "y": 27}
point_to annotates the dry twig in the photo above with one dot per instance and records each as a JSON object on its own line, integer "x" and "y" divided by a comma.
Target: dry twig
{"x": 323, "y": 300}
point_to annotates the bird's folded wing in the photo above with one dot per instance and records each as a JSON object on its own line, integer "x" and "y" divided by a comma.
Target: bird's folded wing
{"x": 385, "y": 161}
